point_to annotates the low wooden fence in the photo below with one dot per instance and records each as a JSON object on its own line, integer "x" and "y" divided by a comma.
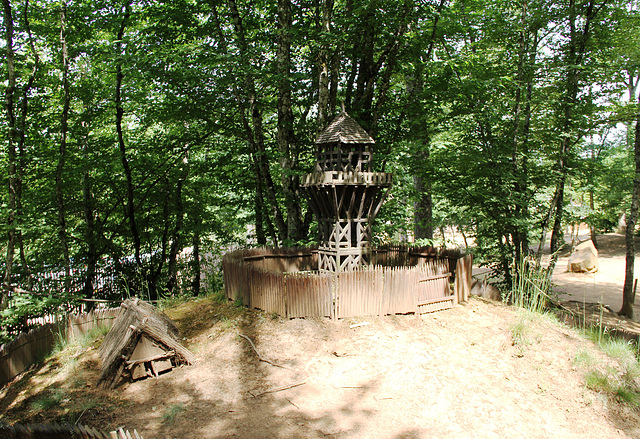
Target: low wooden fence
{"x": 375, "y": 290}
{"x": 57, "y": 431}
{"x": 30, "y": 347}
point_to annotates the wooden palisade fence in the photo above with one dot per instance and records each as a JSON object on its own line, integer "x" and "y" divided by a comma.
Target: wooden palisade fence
{"x": 66, "y": 431}
{"x": 405, "y": 281}
{"x": 30, "y": 347}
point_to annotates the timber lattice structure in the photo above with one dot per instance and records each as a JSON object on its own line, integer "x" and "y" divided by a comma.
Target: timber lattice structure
{"x": 345, "y": 194}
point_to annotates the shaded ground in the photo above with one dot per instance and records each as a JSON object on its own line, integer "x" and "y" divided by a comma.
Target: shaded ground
{"x": 456, "y": 373}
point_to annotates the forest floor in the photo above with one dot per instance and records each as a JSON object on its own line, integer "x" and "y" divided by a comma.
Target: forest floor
{"x": 480, "y": 370}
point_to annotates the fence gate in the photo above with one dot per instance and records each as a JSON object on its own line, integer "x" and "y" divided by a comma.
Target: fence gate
{"x": 433, "y": 289}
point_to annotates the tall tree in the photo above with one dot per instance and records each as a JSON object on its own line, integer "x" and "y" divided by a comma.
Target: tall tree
{"x": 581, "y": 20}
{"x": 285, "y": 134}
{"x": 62, "y": 152}
{"x": 130, "y": 200}
{"x": 17, "y": 112}
{"x": 255, "y": 131}
{"x": 628, "y": 292}
{"x": 11, "y": 145}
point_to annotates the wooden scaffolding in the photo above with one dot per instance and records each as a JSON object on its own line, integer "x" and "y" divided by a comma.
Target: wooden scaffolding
{"x": 345, "y": 194}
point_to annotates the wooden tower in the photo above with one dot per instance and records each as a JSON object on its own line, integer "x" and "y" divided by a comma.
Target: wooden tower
{"x": 345, "y": 194}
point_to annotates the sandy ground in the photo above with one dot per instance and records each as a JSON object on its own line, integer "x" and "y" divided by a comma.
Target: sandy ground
{"x": 604, "y": 286}
{"x": 460, "y": 373}
{"x": 452, "y": 374}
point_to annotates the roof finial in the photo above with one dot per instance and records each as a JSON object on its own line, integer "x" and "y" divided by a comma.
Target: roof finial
{"x": 343, "y": 110}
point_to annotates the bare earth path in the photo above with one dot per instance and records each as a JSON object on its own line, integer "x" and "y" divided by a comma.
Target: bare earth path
{"x": 604, "y": 286}
{"x": 453, "y": 374}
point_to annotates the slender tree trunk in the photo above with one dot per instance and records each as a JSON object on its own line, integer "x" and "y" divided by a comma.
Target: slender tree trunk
{"x": 11, "y": 148}
{"x": 628, "y": 294}
{"x": 592, "y": 226}
{"x": 323, "y": 64}
{"x": 557, "y": 235}
{"x": 526, "y": 129}
{"x": 519, "y": 232}
{"x": 16, "y": 157}
{"x": 195, "y": 261}
{"x": 176, "y": 240}
{"x": 285, "y": 135}
{"x": 90, "y": 226}
{"x": 62, "y": 152}
{"x": 130, "y": 206}
{"x": 261, "y": 215}
{"x": 423, "y": 208}
{"x": 258, "y": 207}
{"x": 153, "y": 278}
{"x": 257, "y": 137}
{"x": 577, "y": 50}
{"x": 545, "y": 225}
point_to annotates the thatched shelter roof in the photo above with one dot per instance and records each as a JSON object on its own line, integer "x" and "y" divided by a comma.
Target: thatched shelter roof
{"x": 141, "y": 339}
{"x": 343, "y": 129}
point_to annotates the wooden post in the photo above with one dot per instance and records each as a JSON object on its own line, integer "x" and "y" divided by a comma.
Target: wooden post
{"x": 462, "y": 285}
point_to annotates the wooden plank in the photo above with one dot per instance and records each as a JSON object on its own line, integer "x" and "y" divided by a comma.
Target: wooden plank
{"x": 436, "y": 300}
{"x": 437, "y": 276}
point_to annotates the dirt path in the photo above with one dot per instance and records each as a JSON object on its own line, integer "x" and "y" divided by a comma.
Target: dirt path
{"x": 451, "y": 374}
{"x": 604, "y": 286}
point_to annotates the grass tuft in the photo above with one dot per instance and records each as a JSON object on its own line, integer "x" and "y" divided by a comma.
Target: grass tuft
{"x": 172, "y": 412}
{"x": 46, "y": 402}
{"x": 531, "y": 286}
{"x": 219, "y": 297}
{"x": 619, "y": 379}
{"x": 598, "y": 381}
{"x": 521, "y": 332}
{"x": 584, "y": 358}
{"x": 631, "y": 397}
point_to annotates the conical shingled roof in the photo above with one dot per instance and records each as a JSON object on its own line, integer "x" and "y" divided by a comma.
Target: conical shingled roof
{"x": 343, "y": 129}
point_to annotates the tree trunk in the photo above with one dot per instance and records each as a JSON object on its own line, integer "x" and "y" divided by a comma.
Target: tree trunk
{"x": 11, "y": 148}
{"x": 323, "y": 64}
{"x": 153, "y": 277}
{"x": 257, "y": 133}
{"x": 130, "y": 207}
{"x": 557, "y": 235}
{"x": 195, "y": 261}
{"x": 62, "y": 152}
{"x": 628, "y": 294}
{"x": 423, "y": 208}
{"x": 261, "y": 215}
{"x": 519, "y": 231}
{"x": 285, "y": 135}
{"x": 176, "y": 244}
{"x": 576, "y": 52}
{"x": 592, "y": 226}
{"x": 545, "y": 225}
{"x": 89, "y": 220}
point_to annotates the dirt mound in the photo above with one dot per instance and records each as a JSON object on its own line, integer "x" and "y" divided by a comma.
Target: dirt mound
{"x": 478, "y": 370}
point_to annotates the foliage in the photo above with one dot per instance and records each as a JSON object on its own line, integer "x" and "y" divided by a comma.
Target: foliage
{"x": 15, "y": 318}
{"x": 186, "y": 133}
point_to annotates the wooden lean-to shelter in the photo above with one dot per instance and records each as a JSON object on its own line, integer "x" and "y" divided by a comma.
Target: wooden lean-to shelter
{"x": 143, "y": 341}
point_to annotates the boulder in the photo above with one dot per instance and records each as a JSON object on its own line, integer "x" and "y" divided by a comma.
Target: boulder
{"x": 584, "y": 259}
{"x": 486, "y": 290}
